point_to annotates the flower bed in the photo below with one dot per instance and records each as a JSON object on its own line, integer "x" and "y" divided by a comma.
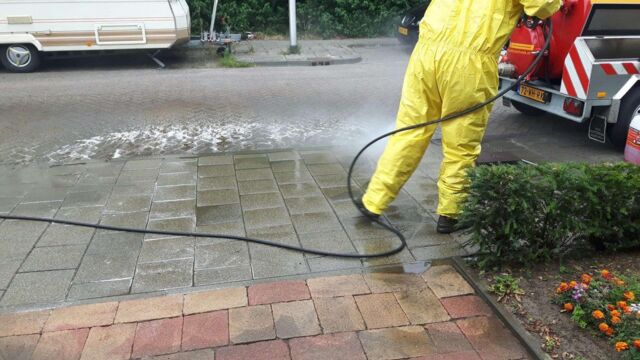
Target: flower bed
{"x": 606, "y": 304}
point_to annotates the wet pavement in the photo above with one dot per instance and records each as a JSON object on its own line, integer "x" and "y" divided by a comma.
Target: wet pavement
{"x": 80, "y": 110}
{"x": 297, "y": 198}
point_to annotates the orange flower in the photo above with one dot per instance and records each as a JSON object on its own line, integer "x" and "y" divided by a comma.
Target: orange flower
{"x": 636, "y": 344}
{"x": 615, "y": 313}
{"x": 586, "y": 278}
{"x": 621, "y": 346}
{"x": 568, "y": 307}
{"x": 598, "y": 315}
{"x": 622, "y": 304}
{"x": 627, "y": 310}
{"x": 611, "y": 307}
{"x": 562, "y": 288}
{"x": 572, "y": 284}
{"x": 629, "y": 295}
{"x": 603, "y": 327}
{"x": 609, "y": 332}
{"x": 618, "y": 282}
{"x": 606, "y": 274}
{"x": 616, "y": 320}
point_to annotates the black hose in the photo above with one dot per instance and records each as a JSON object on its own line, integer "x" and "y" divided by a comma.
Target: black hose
{"x": 403, "y": 241}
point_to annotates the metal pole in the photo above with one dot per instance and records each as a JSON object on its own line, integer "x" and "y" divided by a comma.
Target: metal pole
{"x": 213, "y": 20}
{"x": 293, "y": 34}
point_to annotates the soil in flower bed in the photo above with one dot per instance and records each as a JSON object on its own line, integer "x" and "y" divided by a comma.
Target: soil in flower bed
{"x": 558, "y": 335}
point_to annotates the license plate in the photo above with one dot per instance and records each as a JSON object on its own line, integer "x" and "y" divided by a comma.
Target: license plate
{"x": 533, "y": 93}
{"x": 403, "y": 30}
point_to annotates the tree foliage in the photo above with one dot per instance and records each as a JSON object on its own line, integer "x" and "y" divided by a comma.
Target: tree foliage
{"x": 324, "y": 18}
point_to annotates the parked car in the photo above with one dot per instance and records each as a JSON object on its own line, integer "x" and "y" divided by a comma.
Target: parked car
{"x": 409, "y": 27}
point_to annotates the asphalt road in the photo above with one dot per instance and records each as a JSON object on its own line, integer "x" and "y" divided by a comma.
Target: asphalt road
{"x": 85, "y": 111}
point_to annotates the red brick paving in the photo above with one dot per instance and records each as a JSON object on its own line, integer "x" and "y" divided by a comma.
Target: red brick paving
{"x": 149, "y": 309}
{"x": 341, "y": 317}
{"x": 205, "y": 330}
{"x": 490, "y": 338}
{"x": 280, "y": 291}
{"x": 109, "y": 343}
{"x": 18, "y": 347}
{"x": 448, "y": 338}
{"x": 339, "y": 314}
{"x": 465, "y": 355}
{"x": 84, "y": 316}
{"x": 266, "y": 350}
{"x": 22, "y": 323}
{"x": 344, "y": 346}
{"x": 465, "y": 306}
{"x": 158, "y": 337}
{"x": 381, "y": 310}
{"x": 65, "y": 345}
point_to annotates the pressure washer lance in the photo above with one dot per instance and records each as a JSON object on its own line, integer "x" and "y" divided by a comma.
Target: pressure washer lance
{"x": 403, "y": 241}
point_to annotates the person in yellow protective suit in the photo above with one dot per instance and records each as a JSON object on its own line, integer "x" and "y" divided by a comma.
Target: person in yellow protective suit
{"x": 453, "y": 66}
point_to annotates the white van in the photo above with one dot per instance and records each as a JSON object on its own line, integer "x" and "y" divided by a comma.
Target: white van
{"x": 30, "y": 27}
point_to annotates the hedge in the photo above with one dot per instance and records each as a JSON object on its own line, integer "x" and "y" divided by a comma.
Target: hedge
{"x": 323, "y": 18}
{"x": 520, "y": 214}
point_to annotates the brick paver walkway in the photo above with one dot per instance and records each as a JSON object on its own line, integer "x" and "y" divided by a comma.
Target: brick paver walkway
{"x": 428, "y": 316}
{"x": 294, "y": 197}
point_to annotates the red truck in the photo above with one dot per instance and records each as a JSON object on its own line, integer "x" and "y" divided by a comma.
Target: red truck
{"x": 591, "y": 71}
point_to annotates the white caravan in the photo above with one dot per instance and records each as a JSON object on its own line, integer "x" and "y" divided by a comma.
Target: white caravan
{"x": 31, "y": 27}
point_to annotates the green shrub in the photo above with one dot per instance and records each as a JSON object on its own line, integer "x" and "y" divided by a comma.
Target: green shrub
{"x": 324, "y": 18}
{"x": 523, "y": 213}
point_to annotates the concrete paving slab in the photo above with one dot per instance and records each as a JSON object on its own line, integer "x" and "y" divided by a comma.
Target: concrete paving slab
{"x": 217, "y": 183}
{"x": 166, "y": 275}
{"x": 210, "y": 215}
{"x": 8, "y": 268}
{"x": 38, "y": 287}
{"x": 261, "y": 201}
{"x": 173, "y": 193}
{"x": 53, "y": 258}
{"x": 167, "y": 249}
{"x": 99, "y": 289}
{"x": 172, "y": 209}
{"x": 222, "y": 255}
{"x": 135, "y": 220}
{"x": 222, "y": 275}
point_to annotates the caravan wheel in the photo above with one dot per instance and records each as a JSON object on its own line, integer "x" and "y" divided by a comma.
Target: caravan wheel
{"x": 20, "y": 58}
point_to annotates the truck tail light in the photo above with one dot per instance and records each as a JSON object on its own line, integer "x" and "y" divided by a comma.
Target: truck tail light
{"x": 573, "y": 106}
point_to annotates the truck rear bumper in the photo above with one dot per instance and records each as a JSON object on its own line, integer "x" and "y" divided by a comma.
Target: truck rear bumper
{"x": 555, "y": 102}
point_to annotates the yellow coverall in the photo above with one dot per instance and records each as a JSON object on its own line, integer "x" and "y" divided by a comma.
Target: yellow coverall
{"x": 454, "y": 66}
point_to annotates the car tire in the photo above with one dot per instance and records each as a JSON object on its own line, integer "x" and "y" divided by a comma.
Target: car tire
{"x": 629, "y": 108}
{"x": 527, "y": 110}
{"x": 20, "y": 58}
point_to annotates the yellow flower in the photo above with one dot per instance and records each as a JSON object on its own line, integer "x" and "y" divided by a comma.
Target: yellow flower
{"x": 572, "y": 284}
